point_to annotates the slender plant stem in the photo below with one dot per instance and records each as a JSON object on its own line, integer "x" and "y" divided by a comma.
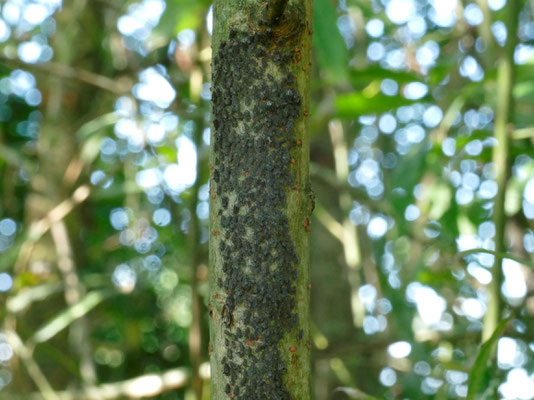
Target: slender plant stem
{"x": 74, "y": 291}
{"x": 195, "y": 249}
{"x": 64, "y": 71}
{"x": 35, "y": 372}
{"x": 350, "y": 242}
{"x": 501, "y": 255}
{"x": 142, "y": 386}
{"x": 503, "y": 129}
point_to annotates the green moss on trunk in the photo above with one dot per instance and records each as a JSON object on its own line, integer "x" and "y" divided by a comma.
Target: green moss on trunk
{"x": 261, "y": 203}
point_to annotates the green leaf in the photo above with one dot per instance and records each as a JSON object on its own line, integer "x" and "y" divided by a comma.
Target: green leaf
{"x": 179, "y": 15}
{"x": 524, "y": 72}
{"x": 354, "y": 104}
{"x": 479, "y": 134}
{"x": 168, "y": 153}
{"x": 329, "y": 45}
{"x": 440, "y": 71}
{"x": 449, "y": 225}
{"x": 476, "y": 378}
{"x": 436, "y": 278}
{"x": 406, "y": 175}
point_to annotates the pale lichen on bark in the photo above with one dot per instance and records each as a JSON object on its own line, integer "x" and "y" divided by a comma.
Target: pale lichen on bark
{"x": 260, "y": 208}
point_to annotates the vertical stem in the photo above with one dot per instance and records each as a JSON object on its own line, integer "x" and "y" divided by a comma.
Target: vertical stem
{"x": 195, "y": 330}
{"x": 503, "y": 127}
{"x": 351, "y": 248}
{"x": 74, "y": 291}
{"x": 485, "y": 33}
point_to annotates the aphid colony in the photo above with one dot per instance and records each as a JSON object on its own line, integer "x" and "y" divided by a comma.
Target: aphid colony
{"x": 255, "y": 107}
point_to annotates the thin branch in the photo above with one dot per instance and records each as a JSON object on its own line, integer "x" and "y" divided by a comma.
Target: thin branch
{"x": 380, "y": 343}
{"x": 29, "y": 295}
{"x": 74, "y": 291}
{"x": 25, "y": 354}
{"x": 66, "y": 317}
{"x": 346, "y": 229}
{"x": 22, "y": 250}
{"x": 195, "y": 339}
{"x": 523, "y": 133}
{"x": 67, "y": 72}
{"x": 350, "y": 234}
{"x": 485, "y": 33}
{"x": 148, "y": 385}
{"x": 501, "y": 255}
{"x": 329, "y": 222}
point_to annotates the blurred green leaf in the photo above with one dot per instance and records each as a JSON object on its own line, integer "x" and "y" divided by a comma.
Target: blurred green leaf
{"x": 168, "y": 153}
{"x": 449, "y": 225}
{"x": 436, "y": 278}
{"x": 354, "y": 104}
{"x": 440, "y": 71}
{"x": 406, "y": 175}
{"x": 524, "y": 72}
{"x": 439, "y": 196}
{"x": 179, "y": 15}
{"x": 479, "y": 134}
{"x": 524, "y": 90}
{"x": 329, "y": 45}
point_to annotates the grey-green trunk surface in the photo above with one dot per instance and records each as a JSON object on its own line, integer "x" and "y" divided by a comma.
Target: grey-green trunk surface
{"x": 261, "y": 201}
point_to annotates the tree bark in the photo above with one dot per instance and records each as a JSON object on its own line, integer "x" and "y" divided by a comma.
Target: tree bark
{"x": 261, "y": 200}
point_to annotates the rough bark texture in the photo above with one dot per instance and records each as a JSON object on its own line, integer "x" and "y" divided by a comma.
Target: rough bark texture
{"x": 261, "y": 202}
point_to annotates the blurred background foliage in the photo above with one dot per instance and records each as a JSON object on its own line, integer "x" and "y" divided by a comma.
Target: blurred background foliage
{"x": 104, "y": 134}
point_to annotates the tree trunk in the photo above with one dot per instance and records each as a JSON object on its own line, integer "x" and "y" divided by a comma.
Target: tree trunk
{"x": 261, "y": 200}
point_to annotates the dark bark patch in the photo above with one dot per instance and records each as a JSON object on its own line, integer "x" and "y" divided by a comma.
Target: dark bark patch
{"x": 255, "y": 105}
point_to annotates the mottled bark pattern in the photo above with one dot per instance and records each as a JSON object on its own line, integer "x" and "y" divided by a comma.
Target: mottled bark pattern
{"x": 257, "y": 334}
